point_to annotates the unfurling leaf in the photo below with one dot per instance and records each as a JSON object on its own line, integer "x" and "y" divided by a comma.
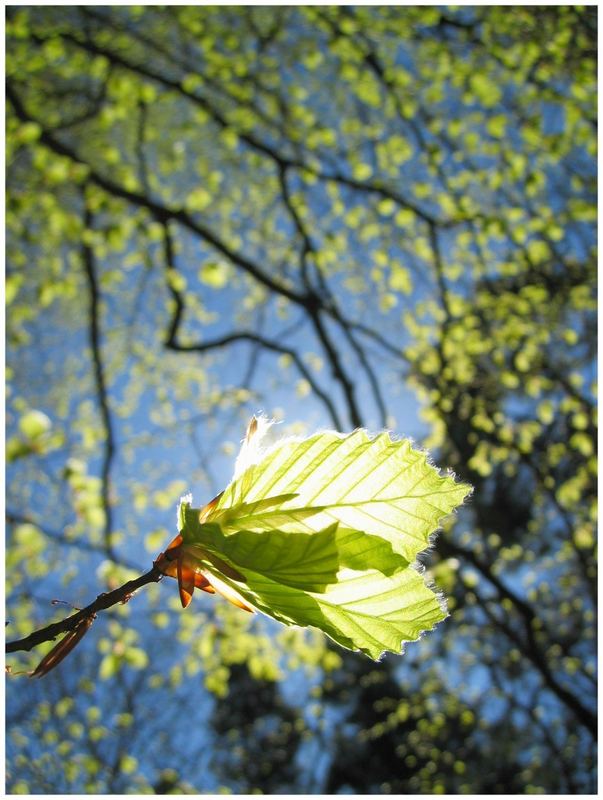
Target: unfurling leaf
{"x": 322, "y": 531}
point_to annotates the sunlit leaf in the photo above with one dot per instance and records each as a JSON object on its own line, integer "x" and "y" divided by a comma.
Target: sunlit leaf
{"x": 34, "y": 424}
{"x": 381, "y": 486}
{"x": 323, "y": 532}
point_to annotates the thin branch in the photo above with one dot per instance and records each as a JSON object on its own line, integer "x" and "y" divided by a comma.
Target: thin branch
{"x": 14, "y": 518}
{"x": 102, "y": 602}
{"x": 377, "y": 337}
{"x": 140, "y": 145}
{"x": 268, "y": 344}
{"x": 174, "y": 85}
{"x": 95, "y": 108}
{"x": 366, "y": 364}
{"x": 172, "y": 343}
{"x": 449, "y": 548}
{"x": 101, "y": 386}
{"x": 439, "y": 269}
{"x": 250, "y": 139}
{"x": 531, "y": 652}
{"x": 329, "y": 301}
{"x": 339, "y": 373}
{"x": 185, "y": 61}
{"x": 170, "y": 264}
{"x": 160, "y": 212}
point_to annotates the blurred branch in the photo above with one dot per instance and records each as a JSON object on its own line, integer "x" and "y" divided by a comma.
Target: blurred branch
{"x": 310, "y": 301}
{"x": 307, "y": 246}
{"x": 160, "y": 212}
{"x": 439, "y": 270}
{"x": 328, "y": 302}
{"x": 530, "y": 650}
{"x": 140, "y": 147}
{"x": 96, "y": 105}
{"x": 338, "y": 371}
{"x": 61, "y": 539}
{"x": 587, "y": 563}
{"x": 250, "y": 139}
{"x": 267, "y": 344}
{"x": 101, "y": 387}
{"x": 530, "y": 708}
{"x": 448, "y": 549}
{"x": 172, "y": 344}
{"x": 173, "y": 85}
{"x": 102, "y": 602}
{"x": 376, "y": 336}
{"x": 186, "y": 57}
{"x": 470, "y": 29}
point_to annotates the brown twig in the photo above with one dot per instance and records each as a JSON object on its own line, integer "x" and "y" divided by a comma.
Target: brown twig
{"x": 102, "y": 602}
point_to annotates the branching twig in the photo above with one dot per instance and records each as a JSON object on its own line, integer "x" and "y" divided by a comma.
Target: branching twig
{"x": 59, "y": 538}
{"x": 172, "y": 343}
{"x": 267, "y": 344}
{"x": 530, "y": 651}
{"x": 328, "y": 301}
{"x": 162, "y": 213}
{"x": 102, "y": 602}
{"x": 339, "y": 373}
{"x": 250, "y": 139}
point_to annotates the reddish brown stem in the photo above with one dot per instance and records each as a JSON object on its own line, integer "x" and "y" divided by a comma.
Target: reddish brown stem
{"x": 102, "y": 602}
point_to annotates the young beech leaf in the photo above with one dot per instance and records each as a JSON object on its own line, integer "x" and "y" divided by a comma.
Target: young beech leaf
{"x": 322, "y": 531}
{"x": 380, "y": 486}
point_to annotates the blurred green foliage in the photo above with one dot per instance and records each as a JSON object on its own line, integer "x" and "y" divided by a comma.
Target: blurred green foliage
{"x": 322, "y": 209}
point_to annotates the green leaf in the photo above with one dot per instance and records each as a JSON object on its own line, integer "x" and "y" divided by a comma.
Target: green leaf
{"x": 323, "y": 532}
{"x": 34, "y": 424}
{"x": 333, "y": 580}
{"x": 214, "y": 274}
{"x": 304, "y": 561}
{"x": 109, "y": 667}
{"x": 136, "y": 657}
{"x": 382, "y": 487}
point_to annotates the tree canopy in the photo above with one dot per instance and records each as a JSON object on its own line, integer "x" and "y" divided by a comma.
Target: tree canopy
{"x": 347, "y": 216}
